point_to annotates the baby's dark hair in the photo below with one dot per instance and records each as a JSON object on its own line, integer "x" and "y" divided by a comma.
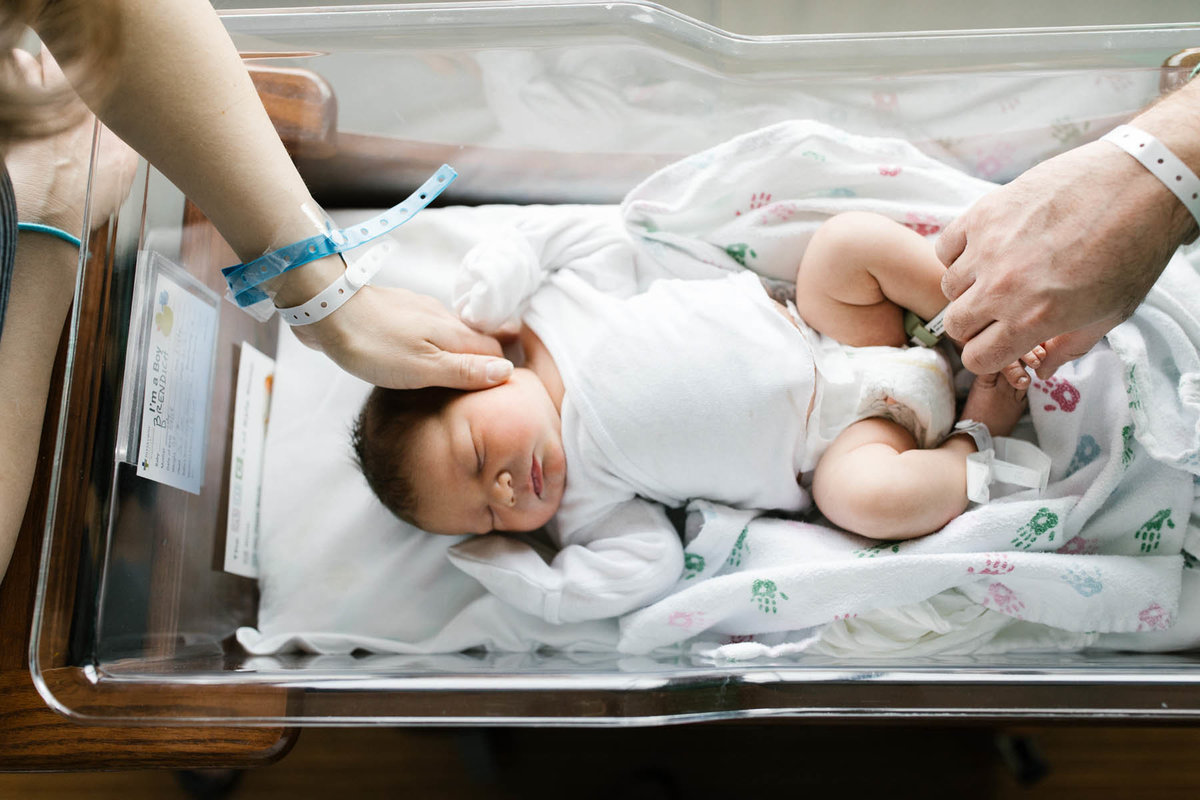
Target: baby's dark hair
{"x": 382, "y": 441}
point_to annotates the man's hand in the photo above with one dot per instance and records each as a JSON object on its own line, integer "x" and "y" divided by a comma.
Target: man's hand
{"x": 1059, "y": 256}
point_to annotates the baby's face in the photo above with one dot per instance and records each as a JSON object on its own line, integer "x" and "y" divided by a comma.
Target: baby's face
{"x": 492, "y": 460}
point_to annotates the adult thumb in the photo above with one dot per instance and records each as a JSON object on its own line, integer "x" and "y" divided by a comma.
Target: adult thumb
{"x": 470, "y": 371}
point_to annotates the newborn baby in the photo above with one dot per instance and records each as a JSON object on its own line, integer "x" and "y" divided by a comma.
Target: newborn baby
{"x": 631, "y": 401}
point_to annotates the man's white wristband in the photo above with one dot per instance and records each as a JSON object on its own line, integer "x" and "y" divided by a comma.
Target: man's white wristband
{"x": 1162, "y": 163}
{"x": 359, "y": 271}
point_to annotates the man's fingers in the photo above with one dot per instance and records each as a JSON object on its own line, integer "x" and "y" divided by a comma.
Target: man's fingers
{"x": 992, "y": 349}
{"x": 965, "y": 318}
{"x": 951, "y": 244}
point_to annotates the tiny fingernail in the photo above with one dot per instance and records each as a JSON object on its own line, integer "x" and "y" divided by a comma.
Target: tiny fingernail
{"x": 499, "y": 370}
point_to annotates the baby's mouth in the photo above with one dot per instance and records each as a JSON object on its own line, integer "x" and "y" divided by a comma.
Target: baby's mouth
{"x": 535, "y": 474}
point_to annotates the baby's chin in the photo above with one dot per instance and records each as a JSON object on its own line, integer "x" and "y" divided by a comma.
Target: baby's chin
{"x": 546, "y": 512}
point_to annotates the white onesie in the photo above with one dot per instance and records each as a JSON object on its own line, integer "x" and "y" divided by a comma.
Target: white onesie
{"x": 674, "y": 390}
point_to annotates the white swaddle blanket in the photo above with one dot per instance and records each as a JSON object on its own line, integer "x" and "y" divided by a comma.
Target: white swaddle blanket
{"x": 1100, "y": 551}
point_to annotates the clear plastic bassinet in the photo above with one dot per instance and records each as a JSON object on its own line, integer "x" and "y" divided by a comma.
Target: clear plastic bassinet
{"x": 537, "y": 103}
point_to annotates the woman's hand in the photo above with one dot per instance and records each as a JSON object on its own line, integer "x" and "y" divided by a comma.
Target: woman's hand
{"x": 404, "y": 340}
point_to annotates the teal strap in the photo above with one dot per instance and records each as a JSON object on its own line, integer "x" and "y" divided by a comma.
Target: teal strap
{"x": 244, "y": 279}
{"x": 1195, "y": 71}
{"x": 50, "y": 230}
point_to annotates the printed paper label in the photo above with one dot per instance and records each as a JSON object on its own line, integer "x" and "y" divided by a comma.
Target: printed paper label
{"x": 255, "y": 378}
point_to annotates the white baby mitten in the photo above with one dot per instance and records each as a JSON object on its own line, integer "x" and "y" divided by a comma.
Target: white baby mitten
{"x": 495, "y": 279}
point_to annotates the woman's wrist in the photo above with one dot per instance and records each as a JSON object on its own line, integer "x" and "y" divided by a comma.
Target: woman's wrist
{"x": 45, "y": 269}
{"x": 299, "y": 285}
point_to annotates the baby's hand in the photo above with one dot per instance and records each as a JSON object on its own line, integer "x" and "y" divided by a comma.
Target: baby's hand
{"x": 497, "y": 276}
{"x": 1015, "y": 372}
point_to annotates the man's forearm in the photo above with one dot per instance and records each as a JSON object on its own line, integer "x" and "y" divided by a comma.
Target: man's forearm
{"x": 1175, "y": 121}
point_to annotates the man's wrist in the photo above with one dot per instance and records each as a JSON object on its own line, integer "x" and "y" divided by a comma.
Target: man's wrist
{"x": 1174, "y": 122}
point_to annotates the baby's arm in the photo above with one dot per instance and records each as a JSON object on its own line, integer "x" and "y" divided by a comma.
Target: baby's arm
{"x": 624, "y": 561}
{"x": 875, "y": 482}
{"x": 501, "y": 273}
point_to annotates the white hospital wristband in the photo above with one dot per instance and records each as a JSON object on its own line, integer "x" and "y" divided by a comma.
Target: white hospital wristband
{"x": 1162, "y": 163}
{"x": 358, "y": 272}
{"x": 1001, "y": 460}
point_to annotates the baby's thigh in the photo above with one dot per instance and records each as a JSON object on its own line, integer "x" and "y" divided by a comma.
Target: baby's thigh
{"x": 836, "y": 292}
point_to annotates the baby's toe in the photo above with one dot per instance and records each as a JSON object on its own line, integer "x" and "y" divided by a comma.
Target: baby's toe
{"x": 1016, "y": 376}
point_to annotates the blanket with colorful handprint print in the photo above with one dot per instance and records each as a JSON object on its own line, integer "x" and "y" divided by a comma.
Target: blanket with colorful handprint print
{"x": 1104, "y": 550}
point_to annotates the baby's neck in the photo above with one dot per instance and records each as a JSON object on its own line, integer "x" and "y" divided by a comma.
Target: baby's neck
{"x": 539, "y": 360}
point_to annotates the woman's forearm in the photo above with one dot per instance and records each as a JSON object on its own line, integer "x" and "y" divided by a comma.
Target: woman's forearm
{"x": 183, "y": 99}
{"x": 38, "y": 304}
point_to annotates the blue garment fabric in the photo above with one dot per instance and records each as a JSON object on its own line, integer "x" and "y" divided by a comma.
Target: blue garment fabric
{"x": 8, "y": 239}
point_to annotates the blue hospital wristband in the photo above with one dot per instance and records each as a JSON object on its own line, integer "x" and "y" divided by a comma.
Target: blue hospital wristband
{"x": 244, "y": 279}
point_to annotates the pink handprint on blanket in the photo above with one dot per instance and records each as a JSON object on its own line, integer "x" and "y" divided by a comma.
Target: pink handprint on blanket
{"x": 1004, "y": 599}
{"x": 993, "y": 565}
{"x": 1065, "y": 396}
{"x": 1153, "y": 618}
{"x": 757, "y": 200}
{"x": 685, "y": 619}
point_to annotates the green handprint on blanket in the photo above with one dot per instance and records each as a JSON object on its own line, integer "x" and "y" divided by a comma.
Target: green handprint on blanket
{"x": 738, "y": 253}
{"x": 693, "y": 565}
{"x": 764, "y": 593}
{"x": 1029, "y": 533}
{"x": 740, "y": 548}
{"x": 884, "y": 545}
{"x": 1150, "y": 534}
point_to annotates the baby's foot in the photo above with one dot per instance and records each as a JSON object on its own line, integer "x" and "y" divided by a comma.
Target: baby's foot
{"x": 1015, "y": 372}
{"x": 994, "y": 402}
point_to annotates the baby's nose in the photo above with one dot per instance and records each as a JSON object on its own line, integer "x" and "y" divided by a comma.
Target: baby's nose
{"x": 503, "y": 490}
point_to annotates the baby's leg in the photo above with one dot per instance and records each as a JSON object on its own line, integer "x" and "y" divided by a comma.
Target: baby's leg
{"x": 859, "y": 274}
